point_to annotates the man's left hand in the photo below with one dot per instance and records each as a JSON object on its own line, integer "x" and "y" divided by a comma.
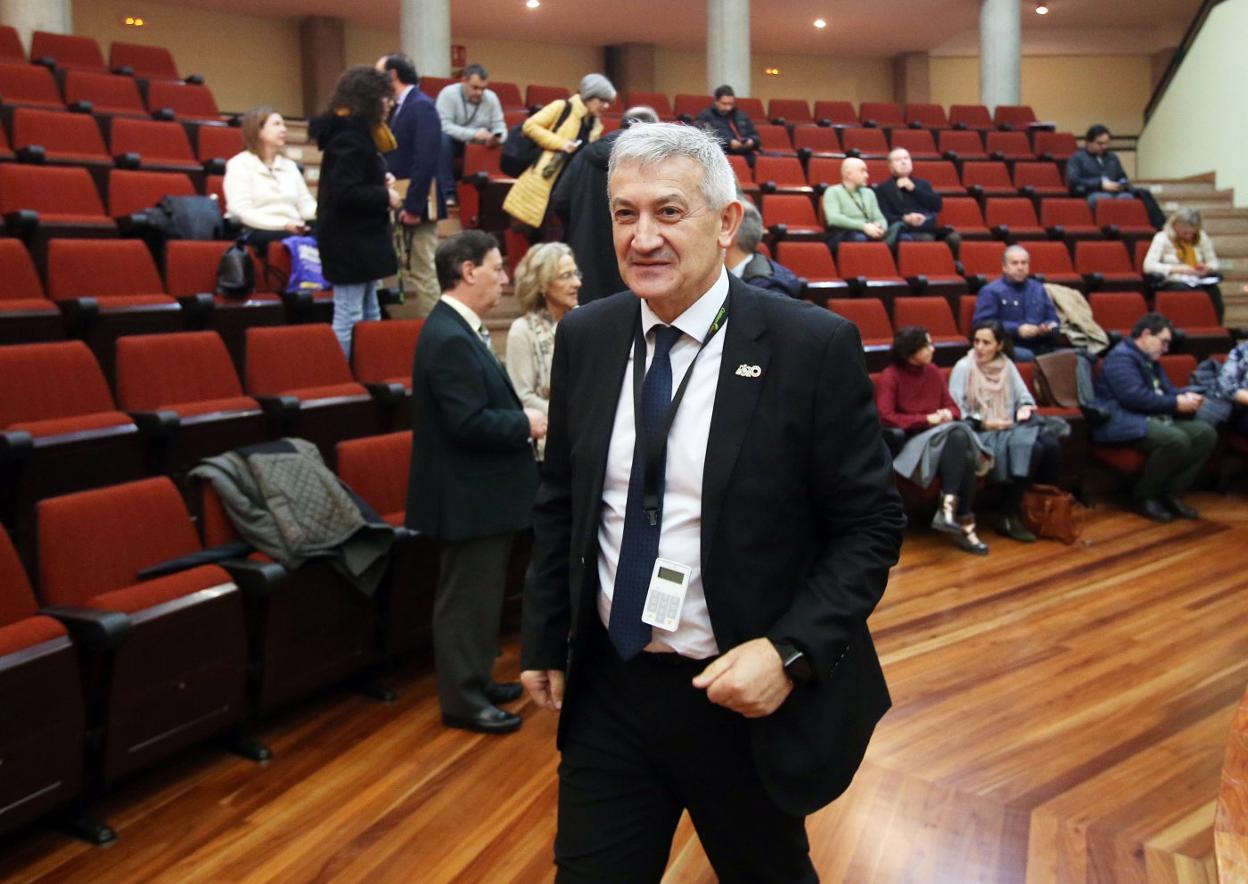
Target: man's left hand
{"x": 407, "y": 219}
{"x": 749, "y": 679}
{"x": 914, "y": 219}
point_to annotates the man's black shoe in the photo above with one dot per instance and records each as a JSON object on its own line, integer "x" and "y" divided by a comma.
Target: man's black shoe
{"x": 1180, "y": 509}
{"x": 489, "y": 720}
{"x": 499, "y": 693}
{"x": 1152, "y": 509}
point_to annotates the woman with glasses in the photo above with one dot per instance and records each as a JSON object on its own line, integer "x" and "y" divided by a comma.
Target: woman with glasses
{"x": 547, "y": 282}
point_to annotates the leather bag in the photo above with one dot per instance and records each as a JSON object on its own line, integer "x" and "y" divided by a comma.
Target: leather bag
{"x": 1053, "y": 514}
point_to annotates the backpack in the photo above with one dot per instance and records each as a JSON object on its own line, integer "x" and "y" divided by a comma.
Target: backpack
{"x": 520, "y": 151}
{"x": 187, "y": 217}
{"x": 236, "y": 274}
{"x": 305, "y": 265}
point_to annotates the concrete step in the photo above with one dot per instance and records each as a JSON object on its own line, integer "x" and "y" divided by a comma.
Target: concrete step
{"x": 1225, "y": 225}
{"x": 1183, "y": 190}
{"x": 1204, "y": 206}
{"x": 1231, "y": 245}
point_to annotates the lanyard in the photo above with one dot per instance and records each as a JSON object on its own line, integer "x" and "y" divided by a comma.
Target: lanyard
{"x": 655, "y": 452}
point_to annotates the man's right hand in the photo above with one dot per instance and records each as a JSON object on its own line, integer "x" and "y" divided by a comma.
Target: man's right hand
{"x": 1027, "y": 330}
{"x": 904, "y": 183}
{"x": 873, "y": 230}
{"x": 482, "y": 136}
{"x": 1110, "y": 186}
{"x": 545, "y": 687}
{"x": 1189, "y": 402}
{"x": 537, "y": 423}
{"x": 914, "y": 219}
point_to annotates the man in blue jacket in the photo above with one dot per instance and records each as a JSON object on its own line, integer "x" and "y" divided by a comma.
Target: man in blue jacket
{"x": 1022, "y": 306}
{"x": 745, "y": 262}
{"x": 731, "y": 125}
{"x": 418, "y": 130}
{"x": 1149, "y": 414}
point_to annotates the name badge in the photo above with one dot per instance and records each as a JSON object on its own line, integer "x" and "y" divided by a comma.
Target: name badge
{"x": 669, "y": 581}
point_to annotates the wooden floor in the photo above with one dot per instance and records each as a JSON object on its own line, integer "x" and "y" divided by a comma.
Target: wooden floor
{"x": 1060, "y": 715}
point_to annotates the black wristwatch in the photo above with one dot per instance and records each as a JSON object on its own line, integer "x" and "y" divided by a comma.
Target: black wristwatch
{"x": 796, "y": 664}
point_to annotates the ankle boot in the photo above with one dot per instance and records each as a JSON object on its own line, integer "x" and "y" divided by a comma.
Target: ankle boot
{"x": 946, "y": 518}
{"x": 1012, "y": 527}
{"x": 968, "y": 540}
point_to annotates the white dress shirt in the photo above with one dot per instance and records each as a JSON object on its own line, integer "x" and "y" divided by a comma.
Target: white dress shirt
{"x": 738, "y": 269}
{"x": 681, "y": 536}
{"x": 470, "y": 316}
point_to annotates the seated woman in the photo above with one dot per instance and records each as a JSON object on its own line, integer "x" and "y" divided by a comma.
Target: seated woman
{"x": 911, "y": 396}
{"x": 993, "y": 397}
{"x": 1182, "y": 253}
{"x": 264, "y": 189}
{"x": 547, "y": 283}
{"x": 1225, "y": 388}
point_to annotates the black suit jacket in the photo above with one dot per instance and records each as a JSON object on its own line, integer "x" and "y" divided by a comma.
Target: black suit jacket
{"x": 473, "y": 472}
{"x": 800, "y": 519}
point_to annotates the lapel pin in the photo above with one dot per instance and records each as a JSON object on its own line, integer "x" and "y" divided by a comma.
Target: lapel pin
{"x": 748, "y": 371}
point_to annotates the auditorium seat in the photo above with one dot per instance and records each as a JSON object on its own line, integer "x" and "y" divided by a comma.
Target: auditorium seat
{"x": 1107, "y": 266}
{"x": 67, "y": 52}
{"x": 775, "y": 139}
{"x": 928, "y": 116}
{"x": 690, "y": 106}
{"x": 881, "y": 114}
{"x": 377, "y": 469}
{"x": 165, "y": 658}
{"x": 1009, "y": 146}
{"x": 869, "y": 315}
{"x": 28, "y": 85}
{"x": 219, "y": 143}
{"x": 1056, "y": 146}
{"x": 962, "y": 214}
{"x": 131, "y": 192}
{"x": 744, "y": 174}
{"x": 865, "y": 143}
{"x": 870, "y": 271}
{"x": 1013, "y": 116}
{"x": 813, "y": 262}
{"x": 929, "y": 268}
{"x": 482, "y": 188}
{"x": 1123, "y": 219}
{"x": 187, "y": 101}
{"x": 432, "y": 86}
{"x": 1052, "y": 261}
{"x": 191, "y": 270}
{"x": 6, "y": 152}
{"x": 981, "y": 262}
{"x": 11, "y": 49}
{"x": 823, "y": 170}
{"x": 935, "y": 315}
{"x": 659, "y": 101}
{"x": 157, "y": 146}
{"x": 1192, "y": 314}
{"x": 508, "y": 95}
{"x": 110, "y": 288}
{"x": 780, "y": 175}
{"x": 988, "y": 179}
{"x": 106, "y": 94}
{"x": 817, "y": 141}
{"x": 753, "y": 108}
{"x": 302, "y": 380}
{"x": 791, "y": 216}
{"x": 942, "y": 175}
{"x": 514, "y": 118}
{"x": 838, "y": 114}
{"x": 1039, "y": 180}
{"x": 59, "y": 139}
{"x": 39, "y": 203}
{"x": 960, "y": 146}
{"x": 384, "y": 352}
{"x": 970, "y": 116}
{"x": 535, "y": 95}
{"x": 26, "y": 314}
{"x": 1068, "y": 218}
{"x": 214, "y": 185}
{"x": 144, "y": 62}
{"x": 1013, "y": 219}
{"x": 792, "y": 111}
{"x": 1117, "y": 311}
{"x": 966, "y": 313}
{"x": 305, "y": 305}
{"x": 917, "y": 141}
{"x": 185, "y": 388}
{"x": 41, "y": 694}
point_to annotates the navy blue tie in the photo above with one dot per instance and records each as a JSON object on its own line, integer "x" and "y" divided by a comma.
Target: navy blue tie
{"x": 640, "y": 546}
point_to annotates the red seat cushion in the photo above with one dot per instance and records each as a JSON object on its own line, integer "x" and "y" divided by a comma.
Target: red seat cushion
{"x": 149, "y": 593}
{"x": 27, "y": 305}
{"x": 1125, "y": 460}
{"x": 28, "y": 632}
{"x": 76, "y": 424}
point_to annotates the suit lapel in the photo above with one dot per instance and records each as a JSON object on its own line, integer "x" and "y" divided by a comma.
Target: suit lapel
{"x": 736, "y": 397}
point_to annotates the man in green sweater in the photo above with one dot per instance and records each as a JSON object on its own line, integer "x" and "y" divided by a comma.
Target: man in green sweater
{"x": 850, "y": 209}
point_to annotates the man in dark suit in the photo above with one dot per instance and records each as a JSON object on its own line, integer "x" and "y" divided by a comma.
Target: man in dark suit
{"x": 730, "y": 124}
{"x": 473, "y": 478}
{"x": 417, "y": 130}
{"x": 696, "y": 604}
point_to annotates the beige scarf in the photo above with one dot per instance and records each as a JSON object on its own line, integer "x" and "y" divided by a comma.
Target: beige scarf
{"x": 987, "y": 389}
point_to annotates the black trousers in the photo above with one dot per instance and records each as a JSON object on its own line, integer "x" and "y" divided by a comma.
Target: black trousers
{"x": 643, "y": 744}
{"x": 1046, "y": 467}
{"x": 957, "y": 469}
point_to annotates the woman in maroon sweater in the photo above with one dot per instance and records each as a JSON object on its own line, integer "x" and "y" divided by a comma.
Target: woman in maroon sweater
{"x": 912, "y": 396}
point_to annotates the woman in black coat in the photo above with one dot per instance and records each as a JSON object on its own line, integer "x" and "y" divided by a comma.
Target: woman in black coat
{"x": 355, "y": 196}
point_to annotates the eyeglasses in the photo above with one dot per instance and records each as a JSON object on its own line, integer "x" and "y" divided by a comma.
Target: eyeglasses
{"x": 570, "y": 274}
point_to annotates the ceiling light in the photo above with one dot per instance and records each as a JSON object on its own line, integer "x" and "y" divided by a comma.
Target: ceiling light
{"x": 772, "y": 72}
{"x": 820, "y": 23}
{"x": 533, "y": 4}
{"x": 1042, "y": 9}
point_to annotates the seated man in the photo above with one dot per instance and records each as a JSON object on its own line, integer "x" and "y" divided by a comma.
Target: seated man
{"x": 1094, "y": 170}
{"x": 850, "y": 209}
{"x": 745, "y": 262}
{"x": 732, "y": 126}
{"x": 910, "y": 203}
{"x": 1148, "y": 413}
{"x": 1022, "y": 306}
{"x": 471, "y": 114}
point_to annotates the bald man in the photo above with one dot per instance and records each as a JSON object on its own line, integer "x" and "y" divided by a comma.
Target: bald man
{"x": 850, "y": 209}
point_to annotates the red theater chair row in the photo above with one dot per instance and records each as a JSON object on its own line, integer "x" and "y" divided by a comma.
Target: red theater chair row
{"x": 949, "y": 144}
{"x": 72, "y": 52}
{"x": 104, "y": 93}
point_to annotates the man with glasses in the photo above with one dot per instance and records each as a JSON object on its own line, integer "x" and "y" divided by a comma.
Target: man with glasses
{"x": 1149, "y": 414}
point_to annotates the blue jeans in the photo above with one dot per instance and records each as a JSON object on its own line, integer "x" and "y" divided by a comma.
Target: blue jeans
{"x": 1106, "y": 195}
{"x": 451, "y": 148}
{"x": 353, "y": 302}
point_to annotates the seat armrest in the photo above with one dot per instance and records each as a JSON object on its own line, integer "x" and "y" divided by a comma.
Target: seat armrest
{"x": 15, "y": 445}
{"x": 918, "y": 283}
{"x": 387, "y": 297}
{"x": 197, "y": 307}
{"x": 976, "y": 282}
{"x": 90, "y": 629}
{"x": 976, "y": 191}
{"x": 1039, "y": 277}
{"x": 195, "y": 80}
{"x": 854, "y": 152}
{"x": 164, "y": 114}
{"x": 21, "y": 222}
{"x": 870, "y": 124}
{"x": 32, "y": 154}
{"x": 804, "y": 154}
{"x": 1028, "y": 191}
{"x": 951, "y": 155}
{"x": 767, "y": 186}
{"x": 124, "y": 70}
{"x": 81, "y": 106}
{"x": 858, "y": 285}
{"x": 156, "y": 423}
{"x": 129, "y": 160}
{"x": 387, "y": 393}
{"x": 997, "y": 156}
{"x": 214, "y": 166}
{"x": 1056, "y": 231}
{"x": 280, "y": 407}
{"x": 1094, "y": 281}
{"x": 779, "y": 121}
{"x": 79, "y": 312}
{"x": 779, "y": 231}
{"x": 1112, "y": 231}
{"x": 255, "y": 578}
{"x": 1000, "y": 231}
{"x": 300, "y": 300}
{"x": 45, "y": 61}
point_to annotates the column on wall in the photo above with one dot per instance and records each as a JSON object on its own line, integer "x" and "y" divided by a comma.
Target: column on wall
{"x": 28, "y": 16}
{"x": 728, "y": 45}
{"x": 425, "y": 35}
{"x": 323, "y": 55}
{"x": 1000, "y": 50}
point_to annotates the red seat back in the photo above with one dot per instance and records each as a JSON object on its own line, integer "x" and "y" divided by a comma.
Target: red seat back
{"x": 741, "y": 168}
{"x": 925, "y": 258}
{"x": 17, "y": 600}
{"x": 11, "y": 49}
{"x": 152, "y": 139}
{"x": 220, "y": 142}
{"x": 1058, "y": 145}
{"x": 819, "y": 139}
{"x": 80, "y": 268}
{"x": 994, "y": 176}
{"x": 385, "y": 350}
{"x": 1141, "y": 252}
{"x": 973, "y": 116}
{"x": 1122, "y": 213}
{"x": 870, "y": 259}
{"x": 130, "y": 191}
{"x": 147, "y": 62}
{"x": 658, "y": 100}
{"x": 866, "y": 313}
{"x": 966, "y": 313}
{"x": 431, "y": 86}
{"x": 58, "y": 133}
{"x": 784, "y": 171}
{"x": 960, "y": 212}
{"x": 752, "y": 108}
{"x": 479, "y": 158}
{"x": 882, "y": 113}
{"x": 918, "y": 141}
{"x": 791, "y": 110}
{"x": 1011, "y": 145}
{"x": 1178, "y": 368}
{"x": 941, "y": 174}
{"x": 186, "y": 100}
{"x": 1067, "y": 212}
{"x": 47, "y": 381}
{"x": 30, "y": 85}
{"x": 1010, "y": 211}
{"x": 964, "y": 144}
{"x": 540, "y": 96}
{"x": 214, "y": 185}
{"x": 774, "y": 137}
{"x": 191, "y": 266}
{"x": 810, "y": 260}
{"x": 982, "y": 258}
{"x": 50, "y": 190}
{"x": 508, "y": 94}
{"x": 97, "y": 541}
{"x": 838, "y": 113}
{"x": 931, "y": 313}
{"x": 1017, "y": 116}
{"x": 930, "y": 116}
{"x": 791, "y": 209}
{"x": 1102, "y": 257}
{"x": 866, "y": 141}
{"x": 824, "y": 170}
{"x": 1038, "y": 175}
{"x": 18, "y": 277}
{"x": 69, "y": 51}
{"x": 1117, "y": 311}
{"x": 691, "y": 105}
{"x": 154, "y": 371}
{"x": 1049, "y": 258}
{"x": 377, "y": 469}
{"x": 1187, "y": 309}
{"x": 106, "y": 92}
{"x": 294, "y": 357}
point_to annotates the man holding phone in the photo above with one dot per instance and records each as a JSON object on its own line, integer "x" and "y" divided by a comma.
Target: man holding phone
{"x": 471, "y": 114}
{"x": 1022, "y": 306}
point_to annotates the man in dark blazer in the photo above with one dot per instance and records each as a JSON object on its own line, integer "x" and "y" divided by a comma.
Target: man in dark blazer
{"x": 417, "y": 130}
{"x": 730, "y": 124}
{"x": 766, "y": 494}
{"x": 473, "y": 478}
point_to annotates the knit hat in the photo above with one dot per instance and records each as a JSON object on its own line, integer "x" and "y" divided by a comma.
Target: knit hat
{"x": 596, "y": 86}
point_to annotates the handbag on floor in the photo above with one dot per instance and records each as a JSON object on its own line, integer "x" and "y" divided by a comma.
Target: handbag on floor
{"x": 1052, "y": 513}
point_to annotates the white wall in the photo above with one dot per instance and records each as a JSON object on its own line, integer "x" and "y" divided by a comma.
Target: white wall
{"x": 1200, "y": 125}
